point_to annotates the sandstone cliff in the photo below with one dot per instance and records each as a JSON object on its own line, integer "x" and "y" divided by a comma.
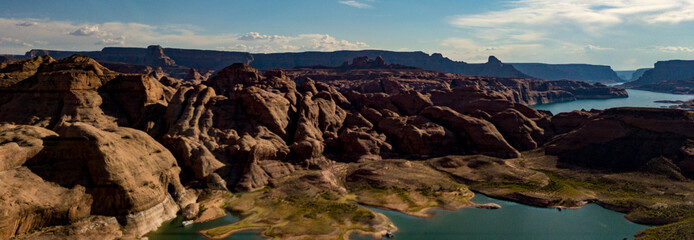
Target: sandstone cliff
{"x": 576, "y": 72}
{"x": 206, "y": 60}
{"x": 87, "y": 165}
{"x": 370, "y": 76}
{"x": 668, "y": 76}
{"x": 631, "y": 139}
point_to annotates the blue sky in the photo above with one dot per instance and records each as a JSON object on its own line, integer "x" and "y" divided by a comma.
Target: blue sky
{"x": 626, "y": 34}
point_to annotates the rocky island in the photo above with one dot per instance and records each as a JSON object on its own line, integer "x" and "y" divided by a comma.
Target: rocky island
{"x": 89, "y": 152}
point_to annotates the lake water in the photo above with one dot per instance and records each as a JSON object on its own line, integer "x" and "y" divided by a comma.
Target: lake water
{"x": 172, "y": 230}
{"x": 637, "y": 98}
{"x": 514, "y": 221}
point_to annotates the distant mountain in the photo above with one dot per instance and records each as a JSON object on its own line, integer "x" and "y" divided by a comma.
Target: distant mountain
{"x": 157, "y": 56}
{"x": 576, "y": 72}
{"x": 434, "y": 62}
{"x": 8, "y": 59}
{"x": 638, "y": 73}
{"x": 674, "y": 76}
{"x": 632, "y": 75}
{"x": 214, "y": 60}
{"x": 625, "y": 75}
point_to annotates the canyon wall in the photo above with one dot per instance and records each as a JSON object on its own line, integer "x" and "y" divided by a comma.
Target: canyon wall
{"x": 673, "y": 76}
{"x": 215, "y": 60}
{"x": 575, "y": 72}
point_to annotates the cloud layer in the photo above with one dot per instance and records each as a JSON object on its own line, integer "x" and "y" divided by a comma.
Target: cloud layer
{"x": 356, "y": 4}
{"x": 585, "y": 12}
{"x": 19, "y": 35}
{"x": 625, "y": 33}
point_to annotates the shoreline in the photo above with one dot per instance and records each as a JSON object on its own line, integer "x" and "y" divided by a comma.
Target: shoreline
{"x": 426, "y": 214}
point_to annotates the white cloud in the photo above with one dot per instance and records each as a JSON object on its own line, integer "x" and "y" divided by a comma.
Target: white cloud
{"x": 6, "y": 40}
{"x": 591, "y": 47}
{"x": 27, "y": 24}
{"x": 118, "y": 41}
{"x": 65, "y": 35}
{"x": 259, "y": 43}
{"x": 329, "y": 43}
{"x": 252, "y": 36}
{"x": 611, "y": 32}
{"x": 355, "y": 4}
{"x": 674, "y": 49}
{"x": 86, "y": 31}
{"x": 682, "y": 13}
{"x": 471, "y": 50}
{"x": 582, "y": 12}
{"x": 14, "y": 42}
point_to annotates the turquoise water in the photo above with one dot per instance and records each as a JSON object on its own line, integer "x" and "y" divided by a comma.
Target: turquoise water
{"x": 172, "y": 230}
{"x": 637, "y": 98}
{"x": 514, "y": 222}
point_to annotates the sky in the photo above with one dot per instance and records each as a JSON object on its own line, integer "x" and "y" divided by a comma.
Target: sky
{"x": 625, "y": 34}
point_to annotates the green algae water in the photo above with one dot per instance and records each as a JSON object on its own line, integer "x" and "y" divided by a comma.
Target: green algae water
{"x": 513, "y": 221}
{"x": 173, "y": 230}
{"x": 637, "y": 98}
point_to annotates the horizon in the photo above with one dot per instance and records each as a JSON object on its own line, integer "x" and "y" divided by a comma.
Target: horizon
{"x": 413, "y": 51}
{"x": 622, "y": 34}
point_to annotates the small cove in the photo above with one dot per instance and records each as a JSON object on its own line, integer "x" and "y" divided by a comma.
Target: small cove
{"x": 173, "y": 230}
{"x": 514, "y": 221}
{"x": 637, "y": 98}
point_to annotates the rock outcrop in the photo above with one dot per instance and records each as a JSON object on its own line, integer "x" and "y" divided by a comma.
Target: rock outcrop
{"x": 26, "y": 200}
{"x": 126, "y": 172}
{"x": 12, "y": 73}
{"x": 365, "y": 76}
{"x": 7, "y": 59}
{"x": 86, "y": 164}
{"x": 682, "y": 86}
{"x": 243, "y": 127}
{"x": 481, "y": 135}
{"x": 627, "y": 139}
{"x": 59, "y": 92}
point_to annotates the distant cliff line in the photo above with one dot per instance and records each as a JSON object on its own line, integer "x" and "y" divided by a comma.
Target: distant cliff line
{"x": 215, "y": 60}
{"x": 211, "y": 60}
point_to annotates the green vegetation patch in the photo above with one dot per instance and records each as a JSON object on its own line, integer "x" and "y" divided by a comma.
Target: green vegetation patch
{"x": 662, "y": 214}
{"x": 571, "y": 186}
{"x": 674, "y": 231}
{"x": 320, "y": 215}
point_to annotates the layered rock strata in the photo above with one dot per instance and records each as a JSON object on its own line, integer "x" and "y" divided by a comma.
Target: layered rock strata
{"x": 78, "y": 159}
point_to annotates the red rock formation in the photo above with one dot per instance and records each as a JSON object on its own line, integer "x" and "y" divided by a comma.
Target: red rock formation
{"x": 13, "y": 73}
{"x": 522, "y": 132}
{"x": 568, "y": 121}
{"x": 366, "y": 76}
{"x": 238, "y": 130}
{"x": 626, "y": 139}
{"x": 674, "y": 76}
{"x": 100, "y": 168}
{"x": 480, "y": 135}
